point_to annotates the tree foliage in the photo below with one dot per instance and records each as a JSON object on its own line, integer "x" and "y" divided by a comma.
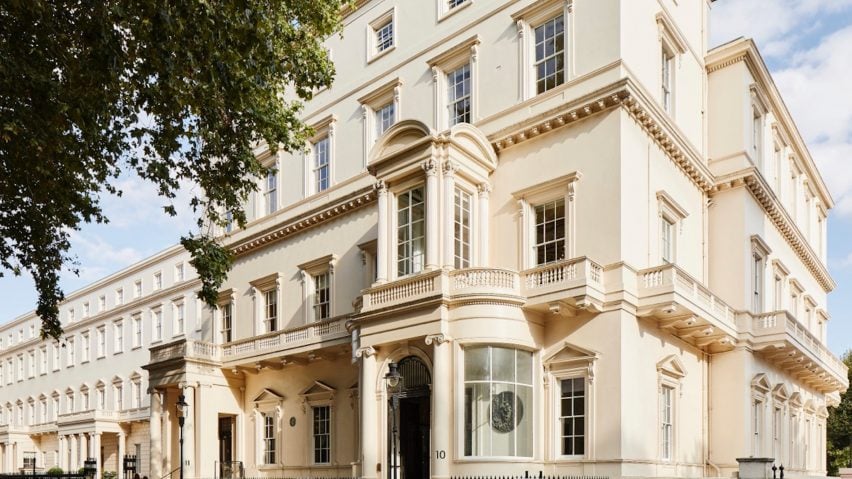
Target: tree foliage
{"x": 839, "y": 427}
{"x": 173, "y": 91}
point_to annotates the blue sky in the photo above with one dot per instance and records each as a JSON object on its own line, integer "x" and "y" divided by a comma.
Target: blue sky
{"x": 806, "y": 43}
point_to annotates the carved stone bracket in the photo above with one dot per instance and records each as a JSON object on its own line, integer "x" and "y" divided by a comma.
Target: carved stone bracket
{"x": 438, "y": 339}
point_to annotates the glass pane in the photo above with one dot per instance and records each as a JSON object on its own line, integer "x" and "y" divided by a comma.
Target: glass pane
{"x": 504, "y": 364}
{"x": 524, "y": 367}
{"x": 525, "y": 421}
{"x": 476, "y": 364}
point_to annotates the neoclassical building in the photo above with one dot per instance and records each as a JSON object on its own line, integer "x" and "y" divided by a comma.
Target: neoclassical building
{"x": 558, "y": 236}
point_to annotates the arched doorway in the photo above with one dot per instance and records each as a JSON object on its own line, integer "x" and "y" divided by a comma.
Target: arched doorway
{"x": 409, "y": 418}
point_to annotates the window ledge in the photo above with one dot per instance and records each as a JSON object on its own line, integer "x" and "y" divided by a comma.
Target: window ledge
{"x": 117, "y": 353}
{"x": 452, "y": 11}
{"x": 380, "y": 54}
{"x": 134, "y": 348}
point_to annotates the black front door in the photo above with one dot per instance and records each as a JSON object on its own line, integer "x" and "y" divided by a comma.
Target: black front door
{"x": 225, "y": 446}
{"x": 414, "y": 437}
{"x": 409, "y": 419}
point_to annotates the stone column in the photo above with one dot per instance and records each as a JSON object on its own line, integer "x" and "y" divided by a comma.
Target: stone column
{"x": 156, "y": 431}
{"x": 206, "y": 432}
{"x": 442, "y": 405}
{"x": 84, "y": 448}
{"x": 73, "y": 466}
{"x": 167, "y": 434}
{"x": 448, "y": 225}
{"x": 120, "y": 437}
{"x": 382, "y": 246}
{"x": 483, "y": 191}
{"x": 60, "y": 461}
{"x": 3, "y": 466}
{"x": 369, "y": 433}
{"x": 96, "y": 452}
{"x": 430, "y": 167}
{"x": 189, "y": 432}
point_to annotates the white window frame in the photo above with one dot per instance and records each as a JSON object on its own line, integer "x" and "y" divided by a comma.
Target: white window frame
{"x": 670, "y": 374}
{"x": 527, "y": 20}
{"x": 446, "y": 8}
{"x": 100, "y": 336}
{"x": 325, "y": 130}
{"x": 178, "y": 317}
{"x": 260, "y": 287}
{"x": 759, "y": 258}
{"x": 464, "y": 53}
{"x": 373, "y": 28}
{"x": 226, "y": 301}
{"x": 118, "y": 394}
{"x": 157, "y": 281}
{"x": 70, "y": 352}
{"x": 529, "y": 198}
{"x": 86, "y": 347}
{"x": 137, "y": 330}
{"x": 309, "y": 272}
{"x": 313, "y": 447}
{"x": 156, "y": 324}
{"x": 271, "y": 190}
{"x": 567, "y": 363}
{"x": 412, "y": 266}
{"x": 461, "y": 353}
{"x": 672, "y": 45}
{"x": 137, "y": 289}
{"x": 268, "y": 404}
{"x": 671, "y": 212}
{"x": 389, "y": 92}
{"x": 102, "y": 306}
{"x": 180, "y": 272}
{"x": 757, "y": 127}
{"x": 118, "y": 336}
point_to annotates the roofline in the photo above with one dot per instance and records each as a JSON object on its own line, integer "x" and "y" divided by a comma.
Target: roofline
{"x": 120, "y": 274}
{"x": 744, "y": 49}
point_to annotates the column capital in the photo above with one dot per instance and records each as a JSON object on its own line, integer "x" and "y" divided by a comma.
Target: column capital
{"x": 365, "y": 352}
{"x": 430, "y": 166}
{"x": 484, "y": 189}
{"x": 449, "y": 168}
{"x": 438, "y": 339}
{"x": 381, "y": 187}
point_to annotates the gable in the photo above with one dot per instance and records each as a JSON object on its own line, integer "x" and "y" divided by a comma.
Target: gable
{"x": 567, "y": 354}
{"x": 672, "y": 366}
{"x": 268, "y": 395}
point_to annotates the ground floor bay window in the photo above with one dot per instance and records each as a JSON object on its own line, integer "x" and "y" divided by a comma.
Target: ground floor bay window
{"x": 498, "y": 402}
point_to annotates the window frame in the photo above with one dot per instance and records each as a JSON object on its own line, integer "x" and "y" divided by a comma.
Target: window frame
{"x": 464, "y": 53}
{"x": 671, "y": 212}
{"x": 527, "y": 20}
{"x": 760, "y": 252}
{"x": 528, "y": 198}
{"x": 324, "y": 130}
{"x": 179, "y": 316}
{"x": 118, "y": 336}
{"x": 374, "y": 27}
{"x": 395, "y": 225}
{"x": 330, "y": 421}
{"x": 309, "y": 272}
{"x": 445, "y": 8}
{"x": 570, "y": 363}
{"x": 462, "y": 348}
{"x": 371, "y": 102}
{"x": 260, "y": 287}
{"x": 138, "y": 330}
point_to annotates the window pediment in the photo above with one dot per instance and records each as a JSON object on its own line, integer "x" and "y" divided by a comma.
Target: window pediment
{"x": 796, "y": 399}
{"x": 672, "y": 366}
{"x": 318, "y": 391}
{"x": 780, "y": 392}
{"x": 568, "y": 355}
{"x": 267, "y": 396}
{"x": 669, "y": 33}
{"x": 760, "y": 246}
{"x": 761, "y": 383}
{"x": 267, "y": 282}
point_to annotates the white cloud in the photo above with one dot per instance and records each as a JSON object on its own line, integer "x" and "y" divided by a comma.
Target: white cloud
{"x": 812, "y": 72}
{"x": 776, "y": 25}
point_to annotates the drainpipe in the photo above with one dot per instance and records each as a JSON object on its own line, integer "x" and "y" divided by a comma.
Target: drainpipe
{"x": 707, "y": 410}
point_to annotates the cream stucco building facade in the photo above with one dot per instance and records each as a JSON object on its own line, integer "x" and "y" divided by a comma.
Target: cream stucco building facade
{"x": 589, "y": 244}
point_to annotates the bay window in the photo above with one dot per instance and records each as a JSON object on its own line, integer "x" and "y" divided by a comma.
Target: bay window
{"x": 498, "y": 402}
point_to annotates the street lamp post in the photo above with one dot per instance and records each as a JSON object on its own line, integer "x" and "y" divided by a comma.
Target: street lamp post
{"x": 181, "y": 406}
{"x": 392, "y": 381}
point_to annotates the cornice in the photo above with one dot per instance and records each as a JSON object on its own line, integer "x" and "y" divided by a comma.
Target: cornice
{"x": 751, "y": 179}
{"x": 626, "y": 94}
{"x": 745, "y": 50}
{"x": 316, "y": 217}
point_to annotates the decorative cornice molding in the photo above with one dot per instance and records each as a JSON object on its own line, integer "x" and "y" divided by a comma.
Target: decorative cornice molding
{"x": 751, "y": 179}
{"x": 324, "y": 214}
{"x": 626, "y": 95}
